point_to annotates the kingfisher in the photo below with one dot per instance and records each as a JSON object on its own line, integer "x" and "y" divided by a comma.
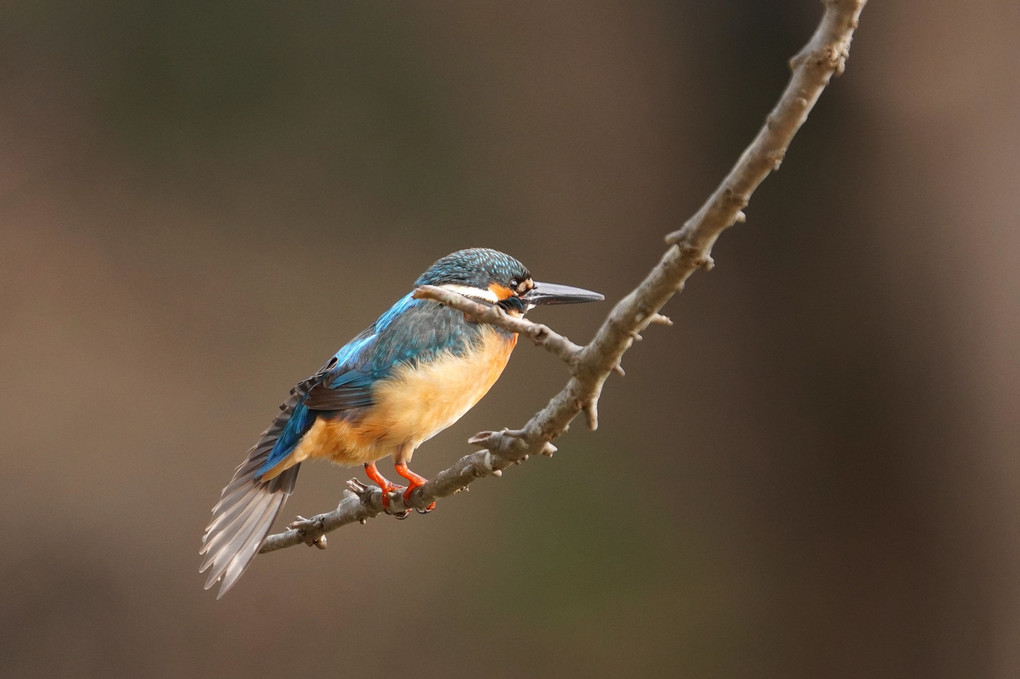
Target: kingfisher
{"x": 408, "y": 376}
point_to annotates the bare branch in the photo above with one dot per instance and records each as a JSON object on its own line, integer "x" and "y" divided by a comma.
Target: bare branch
{"x": 690, "y": 248}
{"x": 361, "y": 502}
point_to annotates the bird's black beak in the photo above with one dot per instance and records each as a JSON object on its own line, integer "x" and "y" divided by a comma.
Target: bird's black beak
{"x": 551, "y": 293}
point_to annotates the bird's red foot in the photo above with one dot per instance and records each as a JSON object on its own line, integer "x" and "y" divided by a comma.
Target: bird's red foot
{"x": 413, "y": 481}
{"x": 386, "y": 486}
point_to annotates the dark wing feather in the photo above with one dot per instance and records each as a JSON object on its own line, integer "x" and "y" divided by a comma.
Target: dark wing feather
{"x": 347, "y": 390}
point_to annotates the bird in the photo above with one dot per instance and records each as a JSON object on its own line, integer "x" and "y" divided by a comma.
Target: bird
{"x": 414, "y": 372}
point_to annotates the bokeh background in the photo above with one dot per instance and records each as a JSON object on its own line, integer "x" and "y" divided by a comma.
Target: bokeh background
{"x": 815, "y": 473}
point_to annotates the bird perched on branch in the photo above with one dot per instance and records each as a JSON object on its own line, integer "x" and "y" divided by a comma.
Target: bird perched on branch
{"x": 411, "y": 374}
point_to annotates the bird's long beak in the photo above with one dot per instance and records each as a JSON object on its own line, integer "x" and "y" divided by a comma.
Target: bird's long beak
{"x": 551, "y": 293}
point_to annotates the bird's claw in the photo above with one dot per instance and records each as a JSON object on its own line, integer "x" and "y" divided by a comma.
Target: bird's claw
{"x": 407, "y": 498}
{"x": 386, "y": 504}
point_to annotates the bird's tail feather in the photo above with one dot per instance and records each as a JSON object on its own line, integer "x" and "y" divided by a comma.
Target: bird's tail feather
{"x": 247, "y": 507}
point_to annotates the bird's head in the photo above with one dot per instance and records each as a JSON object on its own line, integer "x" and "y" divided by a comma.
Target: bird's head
{"x": 491, "y": 276}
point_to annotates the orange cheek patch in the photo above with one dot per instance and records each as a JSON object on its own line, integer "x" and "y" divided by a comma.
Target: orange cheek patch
{"x": 501, "y": 291}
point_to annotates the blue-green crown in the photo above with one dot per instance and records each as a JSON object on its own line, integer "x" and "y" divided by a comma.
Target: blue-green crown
{"x": 476, "y": 267}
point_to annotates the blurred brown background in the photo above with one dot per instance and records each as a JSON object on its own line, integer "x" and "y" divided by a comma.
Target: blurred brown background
{"x": 813, "y": 474}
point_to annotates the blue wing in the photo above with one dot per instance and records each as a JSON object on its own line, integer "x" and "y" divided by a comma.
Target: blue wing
{"x": 412, "y": 331}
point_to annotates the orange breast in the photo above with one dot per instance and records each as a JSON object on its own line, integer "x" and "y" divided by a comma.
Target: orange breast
{"x": 412, "y": 405}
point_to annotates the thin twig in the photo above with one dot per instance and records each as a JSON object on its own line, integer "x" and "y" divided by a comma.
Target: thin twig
{"x": 690, "y": 249}
{"x": 541, "y": 335}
